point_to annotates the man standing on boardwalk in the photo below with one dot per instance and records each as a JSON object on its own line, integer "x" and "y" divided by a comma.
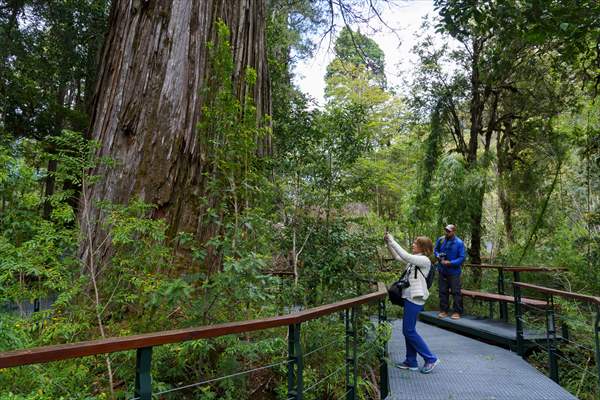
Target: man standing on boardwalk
{"x": 450, "y": 252}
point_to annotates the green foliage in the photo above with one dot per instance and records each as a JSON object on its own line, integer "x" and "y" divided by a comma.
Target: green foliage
{"x": 48, "y": 56}
{"x": 424, "y": 204}
{"x": 232, "y": 128}
{"x": 34, "y": 252}
{"x": 355, "y": 89}
{"x": 38, "y": 262}
{"x": 317, "y": 209}
{"x": 457, "y": 188}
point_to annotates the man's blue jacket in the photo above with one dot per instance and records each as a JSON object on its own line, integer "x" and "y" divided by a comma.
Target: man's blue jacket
{"x": 455, "y": 253}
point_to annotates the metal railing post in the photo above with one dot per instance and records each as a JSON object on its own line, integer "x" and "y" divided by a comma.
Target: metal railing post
{"x": 384, "y": 385}
{"x": 295, "y": 363}
{"x": 564, "y": 331}
{"x": 143, "y": 376}
{"x": 351, "y": 360}
{"x": 551, "y": 339}
{"x": 597, "y": 341}
{"x": 518, "y": 321}
{"x": 503, "y": 307}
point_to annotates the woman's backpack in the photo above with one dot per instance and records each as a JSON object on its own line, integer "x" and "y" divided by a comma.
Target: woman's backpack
{"x": 430, "y": 276}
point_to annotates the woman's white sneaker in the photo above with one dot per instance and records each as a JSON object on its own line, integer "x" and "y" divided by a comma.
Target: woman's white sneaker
{"x": 404, "y": 365}
{"x": 428, "y": 367}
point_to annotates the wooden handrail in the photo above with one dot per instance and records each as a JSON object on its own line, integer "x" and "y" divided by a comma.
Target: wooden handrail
{"x": 502, "y": 297}
{"x": 561, "y": 293}
{"x": 510, "y": 268}
{"x": 516, "y": 268}
{"x": 81, "y": 349}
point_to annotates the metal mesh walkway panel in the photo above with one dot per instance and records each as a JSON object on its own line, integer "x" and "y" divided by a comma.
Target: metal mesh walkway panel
{"x": 468, "y": 370}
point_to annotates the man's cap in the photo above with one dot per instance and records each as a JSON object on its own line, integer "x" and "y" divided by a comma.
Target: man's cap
{"x": 450, "y": 228}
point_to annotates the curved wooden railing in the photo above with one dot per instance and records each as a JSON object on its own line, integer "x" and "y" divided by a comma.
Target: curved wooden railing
{"x": 595, "y": 300}
{"x": 551, "y": 348}
{"x": 516, "y": 268}
{"x": 143, "y": 343}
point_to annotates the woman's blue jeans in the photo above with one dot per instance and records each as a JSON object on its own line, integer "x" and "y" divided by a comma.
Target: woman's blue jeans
{"x": 414, "y": 342}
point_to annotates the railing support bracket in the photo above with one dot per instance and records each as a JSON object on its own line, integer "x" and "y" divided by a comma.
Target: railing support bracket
{"x": 351, "y": 357}
{"x": 295, "y": 363}
{"x": 143, "y": 377}
{"x": 551, "y": 339}
{"x": 384, "y": 385}
{"x": 519, "y": 320}
{"x": 597, "y": 342}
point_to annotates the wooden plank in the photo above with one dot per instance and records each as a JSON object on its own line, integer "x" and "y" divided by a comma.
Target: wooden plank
{"x": 499, "y": 332}
{"x": 502, "y": 297}
{"x": 110, "y": 345}
{"x": 561, "y": 293}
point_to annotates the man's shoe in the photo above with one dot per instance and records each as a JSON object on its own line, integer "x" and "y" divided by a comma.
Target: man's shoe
{"x": 455, "y": 316}
{"x": 442, "y": 314}
{"x": 428, "y": 367}
{"x": 404, "y": 365}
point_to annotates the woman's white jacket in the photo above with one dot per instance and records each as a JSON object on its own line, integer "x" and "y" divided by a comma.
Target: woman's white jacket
{"x": 417, "y": 292}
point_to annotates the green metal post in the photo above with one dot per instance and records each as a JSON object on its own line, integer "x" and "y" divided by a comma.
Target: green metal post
{"x": 295, "y": 363}
{"x": 551, "y": 340}
{"x": 519, "y": 322}
{"x": 351, "y": 359}
{"x": 597, "y": 335}
{"x": 501, "y": 290}
{"x": 564, "y": 331}
{"x": 143, "y": 377}
{"x": 355, "y": 322}
{"x": 384, "y": 385}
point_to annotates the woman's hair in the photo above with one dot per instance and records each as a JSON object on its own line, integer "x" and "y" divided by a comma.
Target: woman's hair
{"x": 426, "y": 246}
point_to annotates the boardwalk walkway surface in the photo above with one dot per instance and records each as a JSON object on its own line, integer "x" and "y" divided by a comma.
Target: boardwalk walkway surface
{"x": 468, "y": 370}
{"x": 494, "y": 330}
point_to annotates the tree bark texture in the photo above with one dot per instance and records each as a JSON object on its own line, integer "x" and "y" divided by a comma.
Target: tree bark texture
{"x": 481, "y": 95}
{"x": 477, "y": 103}
{"x": 505, "y": 165}
{"x": 149, "y": 98}
{"x": 476, "y": 114}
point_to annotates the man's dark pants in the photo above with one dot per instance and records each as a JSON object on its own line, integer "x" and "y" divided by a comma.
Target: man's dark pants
{"x": 452, "y": 283}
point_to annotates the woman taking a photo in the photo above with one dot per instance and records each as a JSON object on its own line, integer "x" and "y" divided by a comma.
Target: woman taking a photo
{"x": 415, "y": 295}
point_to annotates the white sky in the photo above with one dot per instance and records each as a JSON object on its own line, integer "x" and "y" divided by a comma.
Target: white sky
{"x": 405, "y": 19}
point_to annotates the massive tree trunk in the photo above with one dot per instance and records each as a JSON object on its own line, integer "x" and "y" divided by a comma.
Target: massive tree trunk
{"x": 149, "y": 100}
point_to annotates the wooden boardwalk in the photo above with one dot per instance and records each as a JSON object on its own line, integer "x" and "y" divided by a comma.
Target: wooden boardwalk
{"x": 468, "y": 370}
{"x": 493, "y": 331}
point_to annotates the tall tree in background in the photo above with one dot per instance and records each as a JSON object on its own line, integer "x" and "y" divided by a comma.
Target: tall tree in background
{"x": 152, "y": 86}
{"x": 355, "y": 52}
{"x": 504, "y": 70}
{"x": 355, "y": 81}
{"x": 48, "y": 60}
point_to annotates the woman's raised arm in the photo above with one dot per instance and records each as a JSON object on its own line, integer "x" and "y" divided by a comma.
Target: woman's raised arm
{"x": 400, "y": 254}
